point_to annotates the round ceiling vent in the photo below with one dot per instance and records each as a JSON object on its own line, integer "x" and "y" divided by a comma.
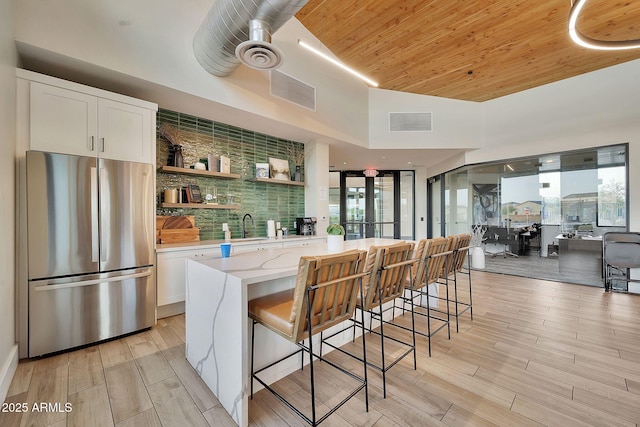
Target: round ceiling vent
{"x": 259, "y": 55}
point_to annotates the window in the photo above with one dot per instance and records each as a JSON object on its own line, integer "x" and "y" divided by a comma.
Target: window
{"x": 577, "y": 191}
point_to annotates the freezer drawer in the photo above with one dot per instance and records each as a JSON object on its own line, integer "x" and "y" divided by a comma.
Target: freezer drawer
{"x": 65, "y": 314}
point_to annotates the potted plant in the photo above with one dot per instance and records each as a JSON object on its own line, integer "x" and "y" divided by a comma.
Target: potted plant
{"x": 335, "y": 237}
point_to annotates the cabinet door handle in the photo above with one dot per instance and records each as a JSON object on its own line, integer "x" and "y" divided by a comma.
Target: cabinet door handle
{"x": 102, "y": 145}
{"x": 91, "y": 144}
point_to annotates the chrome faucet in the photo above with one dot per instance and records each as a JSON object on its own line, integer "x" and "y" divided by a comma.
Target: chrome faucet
{"x": 244, "y": 233}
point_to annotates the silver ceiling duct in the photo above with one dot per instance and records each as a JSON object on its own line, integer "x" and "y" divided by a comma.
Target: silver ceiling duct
{"x": 240, "y": 30}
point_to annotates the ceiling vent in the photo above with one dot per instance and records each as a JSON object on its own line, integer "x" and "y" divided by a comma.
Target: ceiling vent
{"x": 258, "y": 52}
{"x": 243, "y": 27}
{"x": 410, "y": 122}
{"x": 293, "y": 90}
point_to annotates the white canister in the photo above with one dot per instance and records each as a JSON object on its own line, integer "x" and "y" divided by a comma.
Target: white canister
{"x": 271, "y": 228}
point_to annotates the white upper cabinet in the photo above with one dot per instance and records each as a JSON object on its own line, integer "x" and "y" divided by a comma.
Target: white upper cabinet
{"x": 65, "y": 117}
{"x": 62, "y": 121}
{"x": 124, "y": 131}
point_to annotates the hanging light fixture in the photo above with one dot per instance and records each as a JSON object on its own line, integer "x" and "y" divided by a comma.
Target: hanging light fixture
{"x": 590, "y": 43}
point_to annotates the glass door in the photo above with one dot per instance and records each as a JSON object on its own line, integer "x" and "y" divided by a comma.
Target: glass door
{"x": 371, "y": 206}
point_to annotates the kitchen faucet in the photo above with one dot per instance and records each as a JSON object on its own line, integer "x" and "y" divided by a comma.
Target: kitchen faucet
{"x": 244, "y": 233}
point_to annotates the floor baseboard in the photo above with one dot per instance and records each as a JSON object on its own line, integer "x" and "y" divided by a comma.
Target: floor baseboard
{"x": 8, "y": 370}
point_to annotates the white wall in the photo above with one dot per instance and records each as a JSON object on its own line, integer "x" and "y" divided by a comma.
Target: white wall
{"x": 152, "y": 41}
{"x": 8, "y": 348}
{"x": 456, "y": 124}
{"x": 316, "y": 195}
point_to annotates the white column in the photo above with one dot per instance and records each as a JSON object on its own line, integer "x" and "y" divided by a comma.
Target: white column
{"x": 316, "y": 196}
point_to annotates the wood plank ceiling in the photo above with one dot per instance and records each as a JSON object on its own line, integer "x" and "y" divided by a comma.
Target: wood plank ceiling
{"x": 469, "y": 50}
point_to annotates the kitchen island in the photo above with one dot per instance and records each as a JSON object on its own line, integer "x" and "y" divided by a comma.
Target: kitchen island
{"x": 171, "y": 263}
{"x": 218, "y": 329}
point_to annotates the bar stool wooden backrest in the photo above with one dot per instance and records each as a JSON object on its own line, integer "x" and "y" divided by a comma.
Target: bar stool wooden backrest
{"x": 387, "y": 268}
{"x": 462, "y": 243}
{"x": 417, "y": 271}
{"x": 448, "y": 266}
{"x": 431, "y": 262}
{"x": 332, "y": 284}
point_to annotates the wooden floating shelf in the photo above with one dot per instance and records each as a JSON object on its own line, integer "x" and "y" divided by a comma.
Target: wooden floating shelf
{"x": 197, "y": 206}
{"x": 278, "y": 181}
{"x": 210, "y": 174}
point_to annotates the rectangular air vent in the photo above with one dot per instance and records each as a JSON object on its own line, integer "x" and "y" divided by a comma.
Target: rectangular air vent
{"x": 410, "y": 122}
{"x": 293, "y": 90}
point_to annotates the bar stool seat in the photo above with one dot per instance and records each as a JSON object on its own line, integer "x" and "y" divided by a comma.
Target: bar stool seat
{"x": 324, "y": 295}
{"x": 274, "y": 310}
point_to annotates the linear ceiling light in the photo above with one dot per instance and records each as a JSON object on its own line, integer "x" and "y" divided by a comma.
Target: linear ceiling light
{"x": 337, "y": 63}
{"x": 590, "y": 43}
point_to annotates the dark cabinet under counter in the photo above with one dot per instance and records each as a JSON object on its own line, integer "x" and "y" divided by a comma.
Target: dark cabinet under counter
{"x": 580, "y": 257}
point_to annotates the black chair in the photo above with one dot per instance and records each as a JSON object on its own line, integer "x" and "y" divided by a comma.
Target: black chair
{"x": 507, "y": 240}
{"x": 491, "y": 238}
{"x": 620, "y": 252}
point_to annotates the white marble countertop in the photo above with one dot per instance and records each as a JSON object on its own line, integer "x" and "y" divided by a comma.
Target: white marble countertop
{"x": 260, "y": 266}
{"x": 206, "y": 244}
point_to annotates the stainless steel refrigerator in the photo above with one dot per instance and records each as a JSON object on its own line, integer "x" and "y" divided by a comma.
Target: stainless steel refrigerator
{"x": 90, "y": 226}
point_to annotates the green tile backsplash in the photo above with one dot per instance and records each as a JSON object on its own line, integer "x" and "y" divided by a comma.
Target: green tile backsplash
{"x": 245, "y": 148}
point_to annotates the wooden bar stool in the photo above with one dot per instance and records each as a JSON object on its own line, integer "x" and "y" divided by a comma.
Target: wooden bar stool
{"x": 388, "y": 267}
{"x": 462, "y": 245}
{"x": 324, "y": 295}
{"x": 433, "y": 256}
{"x": 459, "y": 249}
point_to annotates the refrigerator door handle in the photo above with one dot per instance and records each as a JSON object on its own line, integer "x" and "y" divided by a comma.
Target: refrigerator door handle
{"x": 105, "y": 226}
{"x": 95, "y": 237}
{"x": 93, "y": 281}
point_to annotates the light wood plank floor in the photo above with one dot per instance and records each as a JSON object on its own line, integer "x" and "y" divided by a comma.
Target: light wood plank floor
{"x": 536, "y": 353}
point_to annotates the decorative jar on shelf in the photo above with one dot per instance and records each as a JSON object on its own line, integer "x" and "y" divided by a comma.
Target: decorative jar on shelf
{"x": 297, "y": 175}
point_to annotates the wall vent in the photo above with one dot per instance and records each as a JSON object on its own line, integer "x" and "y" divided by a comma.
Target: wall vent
{"x": 410, "y": 122}
{"x": 293, "y": 90}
